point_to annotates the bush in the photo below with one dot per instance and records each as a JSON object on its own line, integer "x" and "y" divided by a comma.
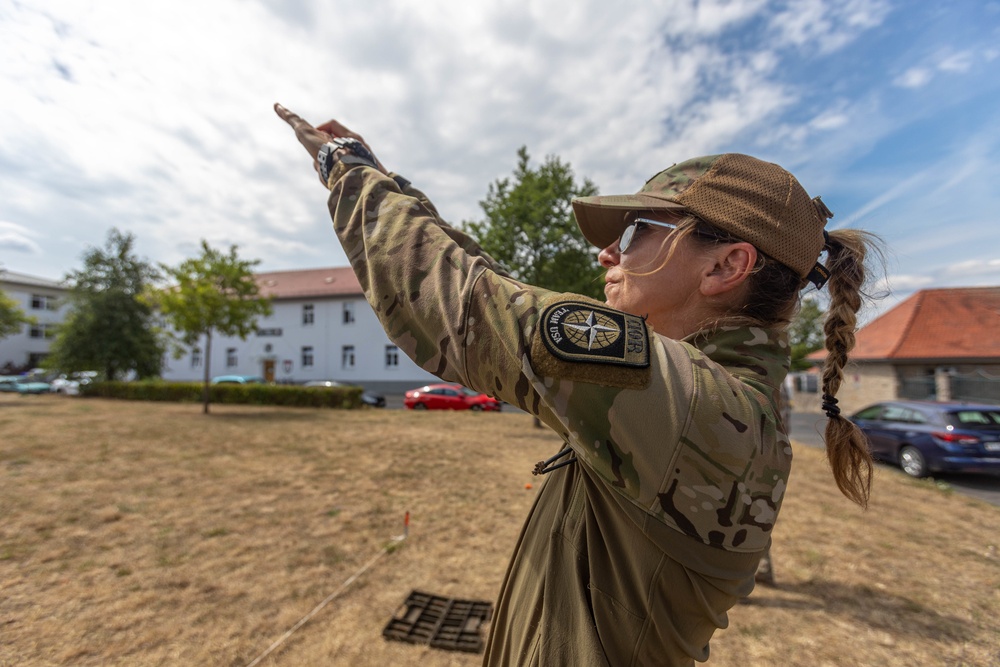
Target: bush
{"x": 243, "y": 394}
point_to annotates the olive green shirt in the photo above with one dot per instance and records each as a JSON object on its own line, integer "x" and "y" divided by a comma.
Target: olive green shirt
{"x": 633, "y": 554}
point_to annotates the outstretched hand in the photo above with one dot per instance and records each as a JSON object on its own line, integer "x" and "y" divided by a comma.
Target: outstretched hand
{"x": 313, "y": 138}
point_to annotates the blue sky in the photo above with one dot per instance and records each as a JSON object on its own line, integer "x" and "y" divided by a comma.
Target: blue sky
{"x": 157, "y": 119}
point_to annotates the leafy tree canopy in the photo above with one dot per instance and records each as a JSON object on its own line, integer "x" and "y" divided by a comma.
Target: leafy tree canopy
{"x": 806, "y": 333}
{"x": 530, "y": 229}
{"x": 110, "y": 328}
{"x": 213, "y": 293}
{"x": 11, "y": 317}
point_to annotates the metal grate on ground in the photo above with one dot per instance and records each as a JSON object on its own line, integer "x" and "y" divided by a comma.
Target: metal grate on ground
{"x": 443, "y": 623}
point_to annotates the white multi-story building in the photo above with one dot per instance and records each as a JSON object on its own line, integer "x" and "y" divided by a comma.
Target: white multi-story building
{"x": 322, "y": 328}
{"x": 41, "y": 299}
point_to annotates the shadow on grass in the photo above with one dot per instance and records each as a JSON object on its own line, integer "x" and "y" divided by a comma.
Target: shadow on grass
{"x": 873, "y": 608}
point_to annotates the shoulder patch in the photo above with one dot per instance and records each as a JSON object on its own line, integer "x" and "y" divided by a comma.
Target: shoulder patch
{"x": 577, "y": 331}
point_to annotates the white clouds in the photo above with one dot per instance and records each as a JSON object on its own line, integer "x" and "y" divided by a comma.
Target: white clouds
{"x": 825, "y": 25}
{"x": 946, "y": 62}
{"x": 157, "y": 118}
{"x": 915, "y": 77}
{"x": 19, "y": 239}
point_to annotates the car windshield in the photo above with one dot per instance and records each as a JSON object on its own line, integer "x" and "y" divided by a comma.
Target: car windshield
{"x": 975, "y": 419}
{"x": 469, "y": 392}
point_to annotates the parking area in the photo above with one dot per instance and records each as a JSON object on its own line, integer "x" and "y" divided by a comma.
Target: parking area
{"x": 807, "y": 428}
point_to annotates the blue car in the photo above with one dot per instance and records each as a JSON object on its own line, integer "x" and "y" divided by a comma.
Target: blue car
{"x": 922, "y": 437}
{"x": 23, "y": 385}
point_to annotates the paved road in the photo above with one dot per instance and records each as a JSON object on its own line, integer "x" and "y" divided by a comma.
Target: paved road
{"x": 807, "y": 428}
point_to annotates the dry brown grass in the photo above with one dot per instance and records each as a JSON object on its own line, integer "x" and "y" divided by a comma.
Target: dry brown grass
{"x": 148, "y": 534}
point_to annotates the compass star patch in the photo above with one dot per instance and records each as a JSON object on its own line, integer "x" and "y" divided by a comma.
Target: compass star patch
{"x": 583, "y": 332}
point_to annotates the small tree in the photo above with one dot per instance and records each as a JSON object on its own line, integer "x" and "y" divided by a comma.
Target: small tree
{"x": 530, "y": 228}
{"x": 110, "y": 327}
{"x": 805, "y": 334}
{"x": 214, "y": 292}
{"x": 12, "y": 318}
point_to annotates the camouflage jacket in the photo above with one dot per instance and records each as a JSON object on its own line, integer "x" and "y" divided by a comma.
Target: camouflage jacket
{"x": 634, "y": 554}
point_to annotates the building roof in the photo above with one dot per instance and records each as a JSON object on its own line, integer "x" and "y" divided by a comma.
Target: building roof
{"x": 309, "y": 283}
{"x": 950, "y": 323}
{"x": 15, "y": 278}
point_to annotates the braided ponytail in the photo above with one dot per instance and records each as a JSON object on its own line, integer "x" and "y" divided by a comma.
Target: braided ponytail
{"x": 846, "y": 446}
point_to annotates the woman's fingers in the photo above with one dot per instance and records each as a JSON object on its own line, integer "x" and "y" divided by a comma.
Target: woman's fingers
{"x": 337, "y": 129}
{"x": 310, "y": 138}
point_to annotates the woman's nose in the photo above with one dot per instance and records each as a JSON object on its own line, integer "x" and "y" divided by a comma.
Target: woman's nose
{"x": 609, "y": 255}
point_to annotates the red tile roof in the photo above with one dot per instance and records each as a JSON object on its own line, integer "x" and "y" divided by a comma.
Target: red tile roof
{"x": 952, "y": 323}
{"x": 309, "y": 283}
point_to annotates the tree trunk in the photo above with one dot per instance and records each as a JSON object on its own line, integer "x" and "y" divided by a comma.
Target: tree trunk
{"x": 208, "y": 365}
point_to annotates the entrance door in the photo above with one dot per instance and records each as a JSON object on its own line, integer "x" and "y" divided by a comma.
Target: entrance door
{"x": 269, "y": 370}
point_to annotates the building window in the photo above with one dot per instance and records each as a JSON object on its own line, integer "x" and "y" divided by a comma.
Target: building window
{"x": 230, "y": 357}
{"x": 348, "y": 312}
{"x": 391, "y": 356}
{"x": 347, "y": 356}
{"x": 308, "y": 314}
{"x": 43, "y": 302}
{"x": 42, "y": 331}
{"x": 307, "y": 356}
{"x": 196, "y": 357}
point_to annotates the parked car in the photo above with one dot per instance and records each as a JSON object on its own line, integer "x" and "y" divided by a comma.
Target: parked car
{"x": 22, "y": 385}
{"x": 449, "y": 397}
{"x": 237, "y": 379}
{"x": 69, "y": 385}
{"x": 922, "y": 437}
{"x": 369, "y": 398}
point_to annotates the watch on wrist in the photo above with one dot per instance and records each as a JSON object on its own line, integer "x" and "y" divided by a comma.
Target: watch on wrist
{"x": 356, "y": 149}
{"x": 355, "y": 153}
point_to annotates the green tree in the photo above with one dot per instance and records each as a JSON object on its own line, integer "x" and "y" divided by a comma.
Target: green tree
{"x": 11, "y": 316}
{"x": 215, "y": 292}
{"x": 805, "y": 334}
{"x": 110, "y": 327}
{"x": 530, "y": 228}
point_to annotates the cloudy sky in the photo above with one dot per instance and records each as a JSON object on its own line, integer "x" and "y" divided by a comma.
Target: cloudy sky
{"x": 156, "y": 118}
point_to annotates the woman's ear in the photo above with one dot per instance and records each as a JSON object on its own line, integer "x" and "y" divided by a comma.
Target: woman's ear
{"x": 733, "y": 264}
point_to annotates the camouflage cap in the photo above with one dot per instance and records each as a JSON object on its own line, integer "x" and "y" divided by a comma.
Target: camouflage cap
{"x": 751, "y": 199}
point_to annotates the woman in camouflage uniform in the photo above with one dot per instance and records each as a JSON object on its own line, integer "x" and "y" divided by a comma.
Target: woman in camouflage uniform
{"x": 652, "y": 519}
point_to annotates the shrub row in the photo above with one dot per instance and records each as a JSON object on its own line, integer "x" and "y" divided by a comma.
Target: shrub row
{"x": 246, "y": 394}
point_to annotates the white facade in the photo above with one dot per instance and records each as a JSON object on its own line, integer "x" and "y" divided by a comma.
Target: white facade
{"x": 324, "y": 338}
{"x": 41, "y": 299}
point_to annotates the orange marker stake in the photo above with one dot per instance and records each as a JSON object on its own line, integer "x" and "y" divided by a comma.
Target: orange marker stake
{"x": 406, "y": 525}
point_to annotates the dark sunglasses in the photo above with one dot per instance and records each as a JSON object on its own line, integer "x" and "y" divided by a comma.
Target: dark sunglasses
{"x": 628, "y": 236}
{"x": 625, "y": 241}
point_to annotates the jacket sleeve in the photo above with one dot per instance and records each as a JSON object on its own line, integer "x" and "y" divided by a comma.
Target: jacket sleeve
{"x": 458, "y": 315}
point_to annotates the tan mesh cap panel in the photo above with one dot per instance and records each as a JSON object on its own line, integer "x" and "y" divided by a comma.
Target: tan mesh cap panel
{"x": 754, "y": 200}
{"x": 761, "y": 203}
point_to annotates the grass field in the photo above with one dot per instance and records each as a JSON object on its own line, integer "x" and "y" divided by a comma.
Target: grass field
{"x": 149, "y": 534}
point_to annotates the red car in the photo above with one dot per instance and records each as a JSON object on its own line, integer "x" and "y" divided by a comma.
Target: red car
{"x": 449, "y": 397}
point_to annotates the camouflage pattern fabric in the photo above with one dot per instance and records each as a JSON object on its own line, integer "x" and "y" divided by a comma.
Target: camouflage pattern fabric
{"x": 633, "y": 555}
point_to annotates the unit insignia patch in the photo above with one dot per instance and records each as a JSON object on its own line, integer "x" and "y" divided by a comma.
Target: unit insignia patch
{"x": 583, "y": 332}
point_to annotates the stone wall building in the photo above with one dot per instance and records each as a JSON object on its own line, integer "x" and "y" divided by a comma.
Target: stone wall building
{"x": 939, "y": 344}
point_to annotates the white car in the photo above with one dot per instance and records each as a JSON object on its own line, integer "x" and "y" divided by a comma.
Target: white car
{"x": 69, "y": 385}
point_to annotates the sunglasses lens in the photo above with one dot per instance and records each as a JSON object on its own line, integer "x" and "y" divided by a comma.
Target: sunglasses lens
{"x": 626, "y": 239}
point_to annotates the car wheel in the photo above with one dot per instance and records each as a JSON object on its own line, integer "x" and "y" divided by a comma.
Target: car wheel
{"x": 419, "y": 406}
{"x": 476, "y": 408}
{"x": 912, "y": 462}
